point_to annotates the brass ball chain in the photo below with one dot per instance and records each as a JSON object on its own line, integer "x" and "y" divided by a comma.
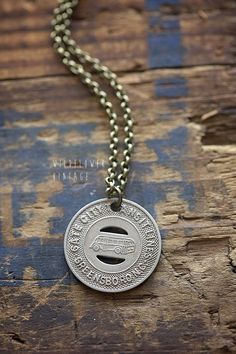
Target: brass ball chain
{"x": 75, "y": 58}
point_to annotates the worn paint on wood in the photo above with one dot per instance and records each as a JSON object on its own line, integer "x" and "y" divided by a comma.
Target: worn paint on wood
{"x": 176, "y": 59}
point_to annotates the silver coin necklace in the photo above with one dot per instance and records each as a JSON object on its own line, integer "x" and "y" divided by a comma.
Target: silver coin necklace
{"x": 112, "y": 244}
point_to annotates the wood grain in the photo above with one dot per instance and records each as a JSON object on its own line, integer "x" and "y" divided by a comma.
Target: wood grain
{"x": 176, "y": 60}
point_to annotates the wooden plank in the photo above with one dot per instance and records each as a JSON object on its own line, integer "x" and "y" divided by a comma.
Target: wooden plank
{"x": 120, "y": 43}
{"x": 178, "y": 67}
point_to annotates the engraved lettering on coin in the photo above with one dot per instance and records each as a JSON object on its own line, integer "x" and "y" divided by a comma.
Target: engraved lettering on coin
{"x": 112, "y": 251}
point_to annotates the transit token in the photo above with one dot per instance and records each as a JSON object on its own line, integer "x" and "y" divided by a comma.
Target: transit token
{"x": 112, "y": 251}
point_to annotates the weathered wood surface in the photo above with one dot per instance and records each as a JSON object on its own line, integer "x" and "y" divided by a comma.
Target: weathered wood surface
{"x": 177, "y": 60}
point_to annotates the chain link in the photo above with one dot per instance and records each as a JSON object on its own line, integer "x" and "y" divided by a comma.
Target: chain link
{"x": 75, "y": 59}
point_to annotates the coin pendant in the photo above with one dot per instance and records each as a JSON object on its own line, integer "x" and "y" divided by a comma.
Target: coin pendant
{"x": 112, "y": 251}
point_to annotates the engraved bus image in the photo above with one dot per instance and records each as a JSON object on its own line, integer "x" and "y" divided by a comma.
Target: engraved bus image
{"x": 113, "y": 242}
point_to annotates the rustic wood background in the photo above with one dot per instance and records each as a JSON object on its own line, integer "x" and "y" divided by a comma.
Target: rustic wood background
{"x": 176, "y": 59}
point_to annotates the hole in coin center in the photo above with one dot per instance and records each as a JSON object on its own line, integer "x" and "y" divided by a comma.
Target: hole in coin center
{"x": 112, "y": 244}
{"x": 114, "y": 229}
{"x": 110, "y": 260}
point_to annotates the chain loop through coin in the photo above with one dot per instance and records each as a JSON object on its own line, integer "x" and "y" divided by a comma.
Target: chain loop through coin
{"x": 75, "y": 60}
